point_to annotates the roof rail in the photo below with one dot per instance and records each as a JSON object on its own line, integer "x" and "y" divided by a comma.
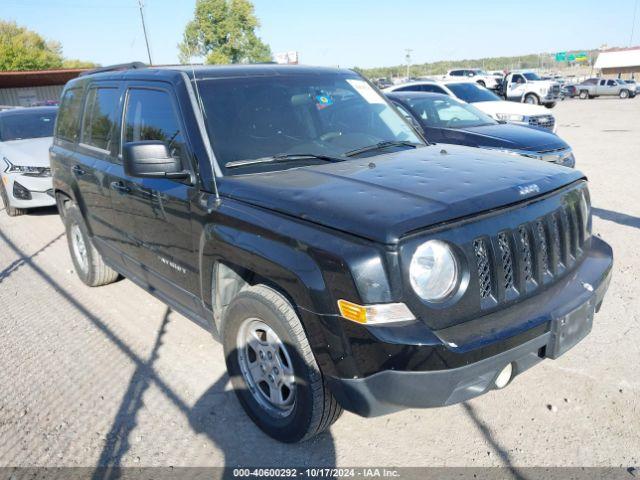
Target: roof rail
{"x": 115, "y": 68}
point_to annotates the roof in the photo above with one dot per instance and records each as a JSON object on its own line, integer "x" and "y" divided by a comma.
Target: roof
{"x": 38, "y": 78}
{"x": 27, "y": 111}
{"x": 409, "y": 95}
{"x": 618, "y": 59}
{"x": 217, "y": 71}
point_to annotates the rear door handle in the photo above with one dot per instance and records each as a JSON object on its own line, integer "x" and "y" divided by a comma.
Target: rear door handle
{"x": 77, "y": 170}
{"x": 120, "y": 187}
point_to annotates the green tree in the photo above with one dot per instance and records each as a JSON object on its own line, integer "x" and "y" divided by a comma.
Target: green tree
{"x": 22, "y": 49}
{"x": 223, "y": 31}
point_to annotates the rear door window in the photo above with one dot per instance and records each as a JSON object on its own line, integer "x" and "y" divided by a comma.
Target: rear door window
{"x": 69, "y": 115}
{"x": 100, "y": 113}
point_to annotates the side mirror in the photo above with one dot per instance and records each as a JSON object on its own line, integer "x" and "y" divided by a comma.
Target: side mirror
{"x": 151, "y": 159}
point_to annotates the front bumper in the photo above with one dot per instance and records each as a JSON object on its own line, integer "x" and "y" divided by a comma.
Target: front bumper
{"x": 558, "y": 319}
{"x": 40, "y": 189}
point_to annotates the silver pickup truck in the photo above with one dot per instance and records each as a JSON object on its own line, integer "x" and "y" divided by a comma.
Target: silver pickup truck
{"x": 594, "y": 87}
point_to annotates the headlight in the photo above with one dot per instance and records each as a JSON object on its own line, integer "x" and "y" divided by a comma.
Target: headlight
{"x": 434, "y": 271}
{"x": 510, "y": 117}
{"x": 28, "y": 171}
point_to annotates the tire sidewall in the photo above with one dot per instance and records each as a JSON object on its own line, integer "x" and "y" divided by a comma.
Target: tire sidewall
{"x": 295, "y": 425}
{"x": 583, "y": 95}
{"x": 624, "y": 94}
{"x": 73, "y": 217}
{"x": 531, "y": 96}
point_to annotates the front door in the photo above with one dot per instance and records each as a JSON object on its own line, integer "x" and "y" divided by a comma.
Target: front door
{"x": 162, "y": 207}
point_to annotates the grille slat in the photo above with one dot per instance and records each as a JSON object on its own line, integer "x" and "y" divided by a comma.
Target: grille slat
{"x": 507, "y": 260}
{"x": 525, "y": 252}
{"x": 484, "y": 270}
{"x": 543, "y": 250}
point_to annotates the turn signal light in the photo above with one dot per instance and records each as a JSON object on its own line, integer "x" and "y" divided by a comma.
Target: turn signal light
{"x": 375, "y": 314}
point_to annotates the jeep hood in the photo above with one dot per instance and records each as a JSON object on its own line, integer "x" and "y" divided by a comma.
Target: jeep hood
{"x": 384, "y": 197}
{"x": 30, "y": 152}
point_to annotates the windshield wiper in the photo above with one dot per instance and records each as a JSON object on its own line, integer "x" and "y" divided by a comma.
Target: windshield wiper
{"x": 282, "y": 157}
{"x": 382, "y": 146}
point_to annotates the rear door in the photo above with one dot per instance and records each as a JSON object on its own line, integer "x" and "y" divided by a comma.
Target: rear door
{"x": 162, "y": 207}
{"x": 95, "y": 157}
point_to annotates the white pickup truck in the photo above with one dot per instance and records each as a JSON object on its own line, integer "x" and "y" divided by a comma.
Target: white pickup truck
{"x": 528, "y": 87}
{"x": 482, "y": 78}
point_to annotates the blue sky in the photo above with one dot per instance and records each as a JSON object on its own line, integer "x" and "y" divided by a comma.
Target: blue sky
{"x": 347, "y": 33}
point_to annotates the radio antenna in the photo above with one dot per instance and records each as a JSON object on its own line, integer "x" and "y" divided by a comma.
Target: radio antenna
{"x": 144, "y": 30}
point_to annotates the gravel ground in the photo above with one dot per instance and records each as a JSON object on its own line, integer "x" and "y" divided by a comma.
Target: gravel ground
{"x": 109, "y": 376}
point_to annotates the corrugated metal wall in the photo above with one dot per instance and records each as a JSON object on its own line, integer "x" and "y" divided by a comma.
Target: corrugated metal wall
{"x": 27, "y": 96}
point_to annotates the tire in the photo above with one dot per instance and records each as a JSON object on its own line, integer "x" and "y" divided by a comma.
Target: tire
{"x": 624, "y": 93}
{"x": 531, "y": 99}
{"x": 309, "y": 408}
{"x": 11, "y": 211}
{"x": 482, "y": 84}
{"x": 550, "y": 105}
{"x": 584, "y": 94}
{"x": 87, "y": 261}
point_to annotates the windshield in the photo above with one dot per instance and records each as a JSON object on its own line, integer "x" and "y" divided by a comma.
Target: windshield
{"x": 531, "y": 76}
{"x": 26, "y": 125}
{"x": 445, "y": 112}
{"x": 323, "y": 115}
{"x": 472, "y": 92}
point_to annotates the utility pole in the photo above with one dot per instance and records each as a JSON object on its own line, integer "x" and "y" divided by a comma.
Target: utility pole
{"x": 144, "y": 29}
{"x": 408, "y": 59}
{"x": 633, "y": 24}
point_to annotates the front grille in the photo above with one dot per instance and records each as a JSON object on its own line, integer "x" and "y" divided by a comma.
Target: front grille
{"x": 543, "y": 249}
{"x": 543, "y": 121}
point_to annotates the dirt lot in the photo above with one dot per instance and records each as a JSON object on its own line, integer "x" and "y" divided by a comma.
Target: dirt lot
{"x": 107, "y": 376}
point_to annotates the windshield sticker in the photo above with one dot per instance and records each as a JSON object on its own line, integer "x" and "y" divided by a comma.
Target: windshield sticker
{"x": 323, "y": 101}
{"x": 365, "y": 90}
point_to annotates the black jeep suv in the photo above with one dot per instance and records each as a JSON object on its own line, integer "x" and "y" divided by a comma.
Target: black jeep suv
{"x": 343, "y": 261}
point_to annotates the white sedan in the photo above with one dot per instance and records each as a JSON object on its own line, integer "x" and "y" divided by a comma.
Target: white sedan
{"x": 484, "y": 100}
{"x": 25, "y": 138}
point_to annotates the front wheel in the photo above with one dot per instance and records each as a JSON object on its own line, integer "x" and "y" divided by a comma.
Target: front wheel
{"x": 550, "y": 105}
{"x": 11, "y": 211}
{"x": 531, "y": 99}
{"x": 624, "y": 94}
{"x": 272, "y": 368}
{"x": 482, "y": 84}
{"x": 87, "y": 261}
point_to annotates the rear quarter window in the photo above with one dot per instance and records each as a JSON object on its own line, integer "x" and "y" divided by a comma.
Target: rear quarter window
{"x": 67, "y": 127}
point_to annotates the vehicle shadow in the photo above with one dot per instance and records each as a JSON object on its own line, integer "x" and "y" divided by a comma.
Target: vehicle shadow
{"x": 15, "y": 265}
{"x": 216, "y": 414}
{"x": 42, "y": 211}
{"x": 489, "y": 436}
{"x": 617, "y": 217}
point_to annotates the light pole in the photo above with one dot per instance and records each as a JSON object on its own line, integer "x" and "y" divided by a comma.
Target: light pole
{"x": 144, "y": 29}
{"x": 408, "y": 59}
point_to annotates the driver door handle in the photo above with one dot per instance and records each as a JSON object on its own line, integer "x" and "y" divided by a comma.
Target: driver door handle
{"x": 78, "y": 170}
{"x": 120, "y": 188}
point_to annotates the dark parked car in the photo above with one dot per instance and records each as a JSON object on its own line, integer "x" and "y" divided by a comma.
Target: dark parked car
{"x": 444, "y": 119}
{"x": 343, "y": 261}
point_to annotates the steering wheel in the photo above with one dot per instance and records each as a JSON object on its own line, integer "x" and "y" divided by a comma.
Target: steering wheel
{"x": 453, "y": 121}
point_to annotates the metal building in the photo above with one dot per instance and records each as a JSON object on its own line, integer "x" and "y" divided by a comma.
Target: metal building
{"x": 619, "y": 61}
{"x": 36, "y": 87}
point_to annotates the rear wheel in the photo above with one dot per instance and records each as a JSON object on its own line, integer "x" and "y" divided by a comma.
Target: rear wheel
{"x": 624, "y": 94}
{"x": 550, "y": 105}
{"x": 88, "y": 262}
{"x": 584, "y": 94}
{"x": 482, "y": 84}
{"x": 531, "y": 99}
{"x": 272, "y": 368}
